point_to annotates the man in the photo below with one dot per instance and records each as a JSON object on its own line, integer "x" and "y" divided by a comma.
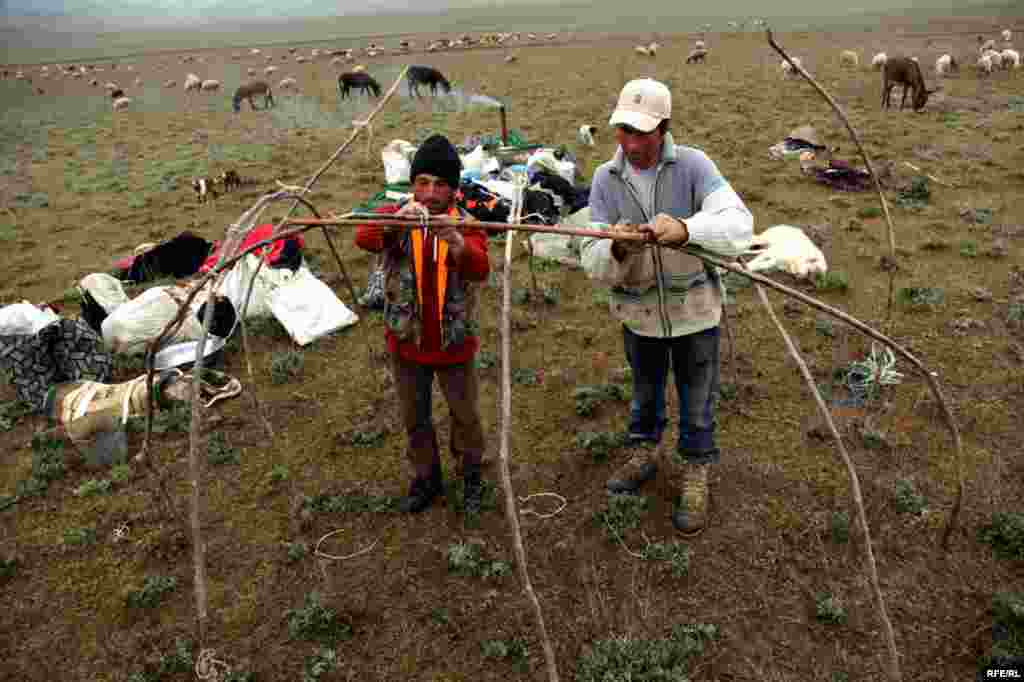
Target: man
{"x": 669, "y": 303}
{"x": 430, "y": 276}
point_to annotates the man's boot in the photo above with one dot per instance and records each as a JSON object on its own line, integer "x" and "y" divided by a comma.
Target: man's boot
{"x": 639, "y": 468}
{"x": 473, "y": 489}
{"x": 690, "y": 516}
{"x": 429, "y": 480}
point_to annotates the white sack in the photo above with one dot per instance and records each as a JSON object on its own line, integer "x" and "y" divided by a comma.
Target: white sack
{"x": 105, "y": 290}
{"x": 236, "y": 283}
{"x": 21, "y": 319}
{"x": 137, "y": 322}
{"x": 308, "y": 309}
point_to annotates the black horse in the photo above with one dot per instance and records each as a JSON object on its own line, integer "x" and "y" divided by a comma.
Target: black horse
{"x": 359, "y": 79}
{"x": 426, "y": 75}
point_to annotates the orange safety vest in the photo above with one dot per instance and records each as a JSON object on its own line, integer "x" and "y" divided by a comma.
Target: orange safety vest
{"x": 441, "y": 259}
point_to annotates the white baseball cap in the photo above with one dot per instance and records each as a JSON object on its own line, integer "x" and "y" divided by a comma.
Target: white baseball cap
{"x": 643, "y": 104}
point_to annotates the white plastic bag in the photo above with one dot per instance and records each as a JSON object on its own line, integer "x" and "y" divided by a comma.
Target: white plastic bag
{"x": 105, "y": 290}
{"x": 24, "y": 319}
{"x": 235, "y": 284}
{"x": 308, "y": 309}
{"x": 137, "y": 322}
{"x": 396, "y": 157}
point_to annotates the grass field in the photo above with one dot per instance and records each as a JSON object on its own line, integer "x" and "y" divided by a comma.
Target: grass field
{"x": 774, "y": 590}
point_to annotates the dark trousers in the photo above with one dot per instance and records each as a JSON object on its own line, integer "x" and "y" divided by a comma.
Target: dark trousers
{"x": 414, "y": 386}
{"x": 694, "y": 359}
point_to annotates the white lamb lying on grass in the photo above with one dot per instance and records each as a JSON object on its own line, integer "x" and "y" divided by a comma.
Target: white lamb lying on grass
{"x": 786, "y": 248}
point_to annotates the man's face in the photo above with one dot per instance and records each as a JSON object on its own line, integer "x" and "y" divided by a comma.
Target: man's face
{"x": 642, "y": 149}
{"x": 433, "y": 192}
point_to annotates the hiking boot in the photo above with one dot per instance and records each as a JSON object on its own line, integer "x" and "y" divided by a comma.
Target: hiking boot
{"x": 473, "y": 490}
{"x": 638, "y": 469}
{"x": 690, "y": 516}
{"x": 423, "y": 491}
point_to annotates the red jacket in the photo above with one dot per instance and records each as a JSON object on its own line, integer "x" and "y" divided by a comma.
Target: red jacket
{"x": 474, "y": 265}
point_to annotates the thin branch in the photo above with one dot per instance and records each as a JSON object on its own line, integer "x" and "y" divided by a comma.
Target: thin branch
{"x": 891, "y": 266}
{"x": 506, "y": 478}
{"x": 858, "y": 500}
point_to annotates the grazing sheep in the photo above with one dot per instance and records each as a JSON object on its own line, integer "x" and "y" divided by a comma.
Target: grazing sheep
{"x": 117, "y": 94}
{"x": 878, "y": 61}
{"x": 249, "y": 90}
{"x": 849, "y": 58}
{"x": 985, "y": 65}
{"x": 301, "y": 60}
{"x": 510, "y": 58}
{"x": 93, "y": 82}
{"x": 292, "y": 50}
{"x": 696, "y": 56}
{"x": 699, "y": 45}
{"x": 122, "y": 103}
{"x": 193, "y": 83}
{"x": 945, "y": 65}
{"x": 787, "y": 69}
{"x": 642, "y": 50}
{"x": 1007, "y": 35}
{"x": 110, "y": 86}
{"x": 985, "y": 45}
{"x": 905, "y": 72}
{"x": 653, "y": 48}
{"x": 337, "y": 61}
{"x": 254, "y": 51}
{"x": 170, "y": 84}
{"x": 204, "y": 189}
{"x": 269, "y": 70}
{"x": 230, "y": 180}
{"x": 210, "y": 85}
{"x": 995, "y": 57}
{"x": 288, "y": 84}
{"x": 585, "y": 135}
{"x": 1011, "y": 59}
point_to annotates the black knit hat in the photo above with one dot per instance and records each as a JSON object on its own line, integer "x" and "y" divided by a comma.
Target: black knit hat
{"x": 436, "y": 156}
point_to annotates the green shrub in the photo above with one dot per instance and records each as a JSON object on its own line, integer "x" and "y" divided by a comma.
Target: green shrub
{"x": 839, "y": 527}
{"x": 833, "y": 280}
{"x": 869, "y": 212}
{"x": 829, "y": 609}
{"x": 93, "y": 487}
{"x": 320, "y": 663}
{"x": 676, "y": 554}
{"x": 968, "y": 249}
{"x": 152, "y": 592}
{"x": 514, "y": 650}
{"x": 621, "y": 514}
{"x": 916, "y": 196}
{"x": 316, "y": 622}
{"x": 464, "y": 558}
{"x": 219, "y": 451}
{"x": 178, "y": 662}
{"x": 11, "y": 412}
{"x": 296, "y": 551}
{"x": 1008, "y": 609}
{"x": 587, "y": 398}
{"x": 120, "y": 473}
{"x": 1005, "y": 534}
{"x": 80, "y": 536}
{"x": 908, "y": 500}
{"x": 8, "y": 567}
{"x": 920, "y": 297}
{"x": 601, "y": 444}
{"x": 485, "y": 359}
{"x": 285, "y": 365}
{"x": 278, "y": 474}
{"x": 622, "y": 659}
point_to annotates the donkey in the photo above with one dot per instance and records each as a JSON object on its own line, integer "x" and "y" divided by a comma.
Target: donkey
{"x": 249, "y": 90}
{"x": 426, "y": 75}
{"x": 359, "y": 79}
{"x": 905, "y": 72}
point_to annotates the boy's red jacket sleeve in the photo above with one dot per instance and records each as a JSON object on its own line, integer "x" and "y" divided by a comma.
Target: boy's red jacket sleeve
{"x": 475, "y": 264}
{"x": 371, "y": 237}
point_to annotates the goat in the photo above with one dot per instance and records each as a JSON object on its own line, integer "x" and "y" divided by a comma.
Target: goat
{"x": 116, "y": 94}
{"x": 699, "y": 45}
{"x": 985, "y": 45}
{"x": 230, "y": 180}
{"x": 878, "y": 61}
{"x": 1007, "y": 35}
{"x": 995, "y": 57}
{"x": 204, "y": 189}
{"x": 849, "y": 58}
{"x": 510, "y": 58}
{"x": 985, "y": 65}
{"x": 946, "y": 64}
{"x": 170, "y": 84}
{"x": 697, "y": 55}
{"x": 585, "y": 135}
{"x": 905, "y": 72}
{"x": 361, "y": 80}
{"x": 288, "y": 84}
{"x": 426, "y": 75}
{"x": 210, "y": 86}
{"x": 1011, "y": 59}
{"x": 642, "y": 50}
{"x": 122, "y": 103}
{"x": 248, "y": 91}
{"x": 269, "y": 71}
{"x": 193, "y": 82}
